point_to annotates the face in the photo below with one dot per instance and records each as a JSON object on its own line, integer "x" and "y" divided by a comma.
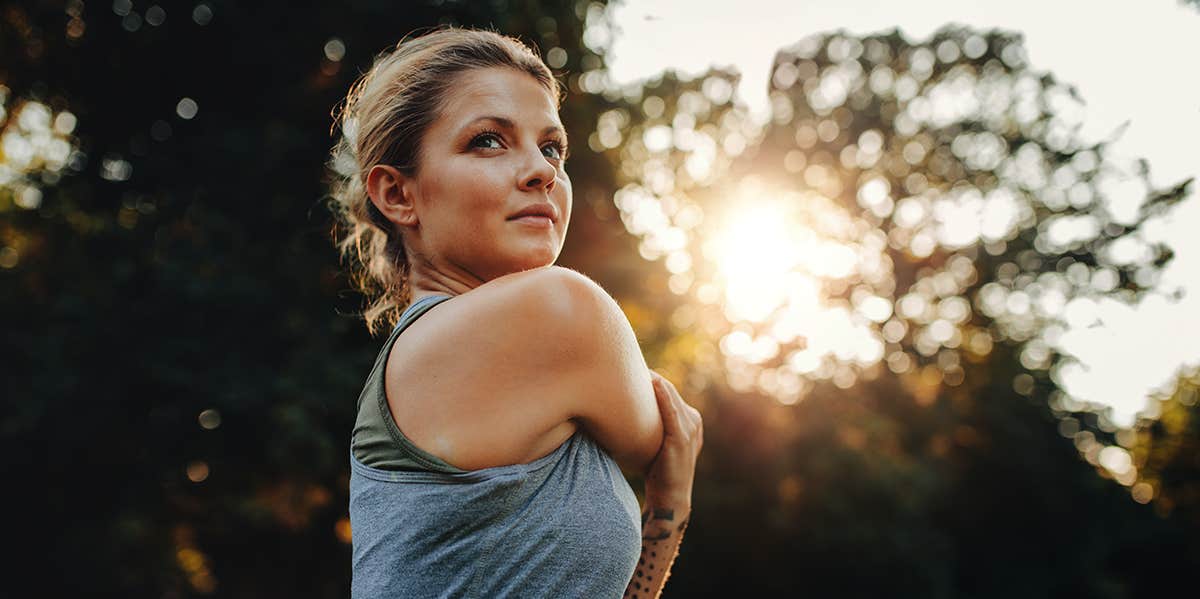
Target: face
{"x": 495, "y": 148}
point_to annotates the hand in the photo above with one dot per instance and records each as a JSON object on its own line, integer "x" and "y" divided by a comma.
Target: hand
{"x": 669, "y": 478}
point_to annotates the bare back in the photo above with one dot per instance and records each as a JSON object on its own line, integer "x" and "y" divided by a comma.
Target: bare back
{"x": 505, "y": 373}
{"x": 452, "y": 400}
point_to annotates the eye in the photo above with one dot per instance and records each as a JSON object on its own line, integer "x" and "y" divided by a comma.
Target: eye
{"x": 486, "y": 140}
{"x": 557, "y": 148}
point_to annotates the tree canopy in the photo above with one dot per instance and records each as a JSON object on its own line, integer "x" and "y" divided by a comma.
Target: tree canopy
{"x": 862, "y": 295}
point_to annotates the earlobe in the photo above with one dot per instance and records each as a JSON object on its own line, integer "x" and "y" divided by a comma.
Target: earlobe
{"x": 391, "y": 192}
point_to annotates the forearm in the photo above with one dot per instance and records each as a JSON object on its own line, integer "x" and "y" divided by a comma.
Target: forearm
{"x": 662, "y": 531}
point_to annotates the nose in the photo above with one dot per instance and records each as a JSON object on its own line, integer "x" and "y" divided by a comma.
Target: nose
{"x": 539, "y": 174}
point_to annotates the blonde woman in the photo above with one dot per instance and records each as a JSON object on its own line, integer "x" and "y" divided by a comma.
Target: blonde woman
{"x": 486, "y": 455}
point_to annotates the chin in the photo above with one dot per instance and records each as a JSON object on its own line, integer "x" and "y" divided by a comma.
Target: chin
{"x": 541, "y": 263}
{"x": 540, "y": 255}
{"x": 538, "y": 261}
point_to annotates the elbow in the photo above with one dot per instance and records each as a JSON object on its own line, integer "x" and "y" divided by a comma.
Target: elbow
{"x": 646, "y": 460}
{"x": 649, "y": 434}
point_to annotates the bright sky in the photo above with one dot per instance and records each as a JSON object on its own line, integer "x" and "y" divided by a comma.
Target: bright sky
{"x": 1127, "y": 59}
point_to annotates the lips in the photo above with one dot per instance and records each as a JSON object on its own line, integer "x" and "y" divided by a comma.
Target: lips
{"x": 546, "y": 210}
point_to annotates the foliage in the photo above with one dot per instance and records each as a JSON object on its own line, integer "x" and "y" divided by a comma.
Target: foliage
{"x": 182, "y": 355}
{"x": 973, "y": 219}
{"x": 1166, "y": 450}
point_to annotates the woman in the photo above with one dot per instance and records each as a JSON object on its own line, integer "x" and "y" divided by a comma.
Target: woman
{"x": 487, "y": 450}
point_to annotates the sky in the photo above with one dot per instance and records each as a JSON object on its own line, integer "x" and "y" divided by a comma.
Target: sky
{"x": 1124, "y": 57}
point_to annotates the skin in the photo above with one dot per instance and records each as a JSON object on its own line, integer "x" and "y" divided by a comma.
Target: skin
{"x": 454, "y": 212}
{"x": 495, "y": 148}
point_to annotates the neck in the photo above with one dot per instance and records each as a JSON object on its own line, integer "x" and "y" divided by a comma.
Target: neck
{"x": 426, "y": 279}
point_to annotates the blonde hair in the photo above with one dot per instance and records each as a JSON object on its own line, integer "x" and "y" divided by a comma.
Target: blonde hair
{"x": 382, "y": 120}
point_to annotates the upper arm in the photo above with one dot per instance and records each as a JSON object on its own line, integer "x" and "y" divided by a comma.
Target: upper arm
{"x": 595, "y": 365}
{"x": 609, "y": 388}
{"x": 538, "y": 348}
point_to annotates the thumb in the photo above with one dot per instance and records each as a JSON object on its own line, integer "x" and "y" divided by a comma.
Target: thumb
{"x": 666, "y": 406}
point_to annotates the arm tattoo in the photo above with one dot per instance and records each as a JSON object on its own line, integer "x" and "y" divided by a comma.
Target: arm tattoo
{"x": 658, "y": 536}
{"x": 663, "y": 533}
{"x": 658, "y": 552}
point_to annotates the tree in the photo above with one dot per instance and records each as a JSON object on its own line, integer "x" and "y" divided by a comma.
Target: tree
{"x": 917, "y": 221}
{"x": 181, "y": 353}
{"x": 181, "y": 387}
{"x": 1166, "y": 451}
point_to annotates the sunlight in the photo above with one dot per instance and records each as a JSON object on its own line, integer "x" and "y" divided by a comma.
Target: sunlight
{"x": 754, "y": 252}
{"x": 779, "y": 264}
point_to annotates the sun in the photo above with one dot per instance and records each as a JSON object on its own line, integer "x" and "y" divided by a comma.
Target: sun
{"x": 754, "y": 251}
{"x": 782, "y": 260}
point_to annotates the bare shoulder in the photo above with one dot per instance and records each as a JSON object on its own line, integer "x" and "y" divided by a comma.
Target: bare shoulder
{"x": 535, "y": 300}
{"x": 562, "y": 290}
{"x": 535, "y": 309}
{"x": 488, "y": 377}
{"x": 592, "y": 361}
{"x": 566, "y": 314}
{"x": 537, "y": 350}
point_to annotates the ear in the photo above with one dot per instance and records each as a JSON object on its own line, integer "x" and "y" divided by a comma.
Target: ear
{"x": 392, "y": 193}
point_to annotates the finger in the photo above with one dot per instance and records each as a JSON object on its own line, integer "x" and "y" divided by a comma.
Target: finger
{"x": 679, "y": 418}
{"x": 666, "y": 406}
{"x": 682, "y": 410}
{"x": 694, "y": 424}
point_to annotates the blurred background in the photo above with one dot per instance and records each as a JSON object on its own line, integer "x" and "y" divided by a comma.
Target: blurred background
{"x": 929, "y": 271}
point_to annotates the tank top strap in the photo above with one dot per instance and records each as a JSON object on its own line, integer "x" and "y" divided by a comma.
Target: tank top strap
{"x": 376, "y": 440}
{"x": 417, "y": 308}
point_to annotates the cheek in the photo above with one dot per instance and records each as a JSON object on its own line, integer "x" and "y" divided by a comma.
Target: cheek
{"x": 473, "y": 196}
{"x": 564, "y": 192}
{"x": 483, "y": 185}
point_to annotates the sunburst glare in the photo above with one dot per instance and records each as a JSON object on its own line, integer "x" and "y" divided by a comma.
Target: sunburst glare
{"x": 782, "y": 260}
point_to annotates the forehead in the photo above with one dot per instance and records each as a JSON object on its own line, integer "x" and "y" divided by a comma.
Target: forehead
{"x": 497, "y": 90}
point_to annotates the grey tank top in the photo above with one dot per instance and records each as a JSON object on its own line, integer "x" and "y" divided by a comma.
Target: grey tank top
{"x": 564, "y": 525}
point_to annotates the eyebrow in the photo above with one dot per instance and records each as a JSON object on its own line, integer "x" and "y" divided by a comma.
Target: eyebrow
{"x": 508, "y": 124}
